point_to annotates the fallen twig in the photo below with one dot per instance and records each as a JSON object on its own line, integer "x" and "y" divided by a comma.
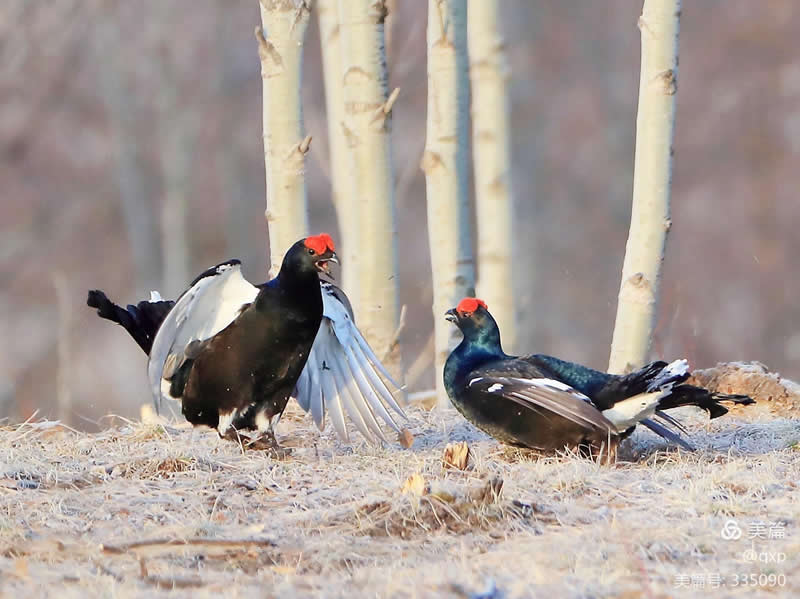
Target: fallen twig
{"x": 133, "y": 546}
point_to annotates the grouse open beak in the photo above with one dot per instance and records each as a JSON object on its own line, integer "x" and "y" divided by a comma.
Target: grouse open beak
{"x": 451, "y": 315}
{"x": 323, "y": 264}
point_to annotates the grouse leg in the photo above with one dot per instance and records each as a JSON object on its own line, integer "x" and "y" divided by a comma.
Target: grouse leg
{"x": 233, "y": 435}
{"x": 264, "y": 437}
{"x": 268, "y": 442}
{"x": 604, "y": 452}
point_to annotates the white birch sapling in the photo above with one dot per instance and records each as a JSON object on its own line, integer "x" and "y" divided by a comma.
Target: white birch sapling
{"x": 367, "y": 126}
{"x": 491, "y": 151}
{"x": 280, "y": 48}
{"x": 345, "y": 196}
{"x": 650, "y": 216}
{"x": 445, "y": 164}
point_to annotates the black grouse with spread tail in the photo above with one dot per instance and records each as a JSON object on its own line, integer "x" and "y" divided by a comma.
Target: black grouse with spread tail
{"x": 544, "y": 403}
{"x": 233, "y": 353}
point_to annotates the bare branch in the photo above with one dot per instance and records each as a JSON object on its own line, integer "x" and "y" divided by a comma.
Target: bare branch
{"x": 166, "y": 543}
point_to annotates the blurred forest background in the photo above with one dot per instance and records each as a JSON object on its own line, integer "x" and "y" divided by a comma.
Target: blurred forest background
{"x": 110, "y": 108}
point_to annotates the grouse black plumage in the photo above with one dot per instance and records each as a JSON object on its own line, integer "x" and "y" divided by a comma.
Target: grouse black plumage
{"x": 545, "y": 403}
{"x": 141, "y": 320}
{"x": 233, "y": 353}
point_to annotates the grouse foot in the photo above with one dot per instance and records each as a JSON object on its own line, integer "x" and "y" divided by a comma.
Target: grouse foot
{"x": 267, "y": 442}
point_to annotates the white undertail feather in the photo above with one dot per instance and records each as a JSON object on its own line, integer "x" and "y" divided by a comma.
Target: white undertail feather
{"x": 680, "y": 366}
{"x": 629, "y": 412}
{"x": 155, "y": 296}
{"x": 671, "y": 371}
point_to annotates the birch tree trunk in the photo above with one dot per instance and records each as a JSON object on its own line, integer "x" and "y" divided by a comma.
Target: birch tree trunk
{"x": 491, "y": 151}
{"x": 280, "y": 48}
{"x": 367, "y": 117}
{"x": 650, "y": 220}
{"x": 345, "y": 198}
{"x": 445, "y": 164}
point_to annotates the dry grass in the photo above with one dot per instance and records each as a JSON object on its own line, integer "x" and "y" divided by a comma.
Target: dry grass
{"x": 151, "y": 510}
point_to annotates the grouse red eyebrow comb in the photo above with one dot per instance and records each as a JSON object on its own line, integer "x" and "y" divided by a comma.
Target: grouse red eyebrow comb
{"x": 320, "y": 243}
{"x": 470, "y": 304}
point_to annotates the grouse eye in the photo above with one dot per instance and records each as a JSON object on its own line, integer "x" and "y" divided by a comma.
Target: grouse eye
{"x": 312, "y": 252}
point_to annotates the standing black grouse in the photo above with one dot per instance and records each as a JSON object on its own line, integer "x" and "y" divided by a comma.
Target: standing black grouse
{"x": 544, "y": 403}
{"x": 234, "y": 353}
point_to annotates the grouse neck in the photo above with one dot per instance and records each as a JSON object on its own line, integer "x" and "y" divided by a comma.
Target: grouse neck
{"x": 485, "y": 336}
{"x": 466, "y": 357}
{"x": 292, "y": 278}
{"x": 475, "y": 352}
{"x": 300, "y": 289}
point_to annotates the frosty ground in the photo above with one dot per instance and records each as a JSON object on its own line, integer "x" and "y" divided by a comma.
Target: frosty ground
{"x": 161, "y": 510}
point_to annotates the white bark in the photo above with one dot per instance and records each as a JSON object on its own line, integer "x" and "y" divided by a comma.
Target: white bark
{"x": 345, "y": 198}
{"x": 367, "y": 116}
{"x": 491, "y": 151}
{"x": 650, "y": 220}
{"x": 445, "y": 164}
{"x": 280, "y": 48}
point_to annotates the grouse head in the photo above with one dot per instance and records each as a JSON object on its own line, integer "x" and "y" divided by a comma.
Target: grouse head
{"x": 472, "y": 317}
{"x": 312, "y": 254}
